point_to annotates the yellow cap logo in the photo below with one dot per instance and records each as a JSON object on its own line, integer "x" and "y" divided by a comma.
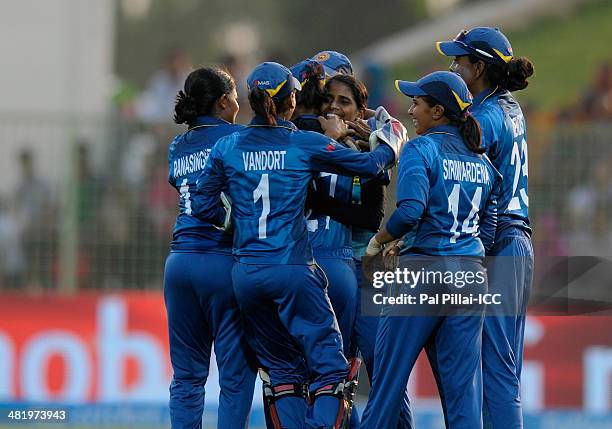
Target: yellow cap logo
{"x": 322, "y": 57}
{"x": 462, "y": 105}
{"x": 274, "y": 91}
{"x": 506, "y": 58}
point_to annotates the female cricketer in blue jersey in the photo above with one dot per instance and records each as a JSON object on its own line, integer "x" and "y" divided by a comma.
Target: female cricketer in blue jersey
{"x": 485, "y": 61}
{"x": 331, "y": 240}
{"x": 281, "y": 292}
{"x": 345, "y": 212}
{"x": 446, "y": 198}
{"x": 198, "y": 290}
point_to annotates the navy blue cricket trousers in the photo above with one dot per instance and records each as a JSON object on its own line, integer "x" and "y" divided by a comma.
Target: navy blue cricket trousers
{"x": 290, "y": 325}
{"x": 202, "y": 310}
{"x": 510, "y": 271}
{"x": 342, "y": 292}
{"x": 453, "y": 345}
{"x": 364, "y": 333}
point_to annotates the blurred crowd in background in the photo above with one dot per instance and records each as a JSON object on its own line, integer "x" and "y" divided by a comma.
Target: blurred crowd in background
{"x": 125, "y": 211}
{"x": 123, "y": 208}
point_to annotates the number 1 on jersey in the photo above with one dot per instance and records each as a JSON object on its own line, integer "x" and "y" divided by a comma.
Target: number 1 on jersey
{"x": 263, "y": 191}
{"x": 185, "y": 195}
{"x": 453, "y": 207}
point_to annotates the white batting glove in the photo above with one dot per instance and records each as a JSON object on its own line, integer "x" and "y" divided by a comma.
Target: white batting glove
{"x": 381, "y": 116}
{"x": 374, "y": 247}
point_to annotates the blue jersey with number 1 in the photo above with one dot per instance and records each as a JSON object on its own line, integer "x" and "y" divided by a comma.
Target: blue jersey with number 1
{"x": 446, "y": 196}
{"x": 187, "y": 156}
{"x": 267, "y": 171}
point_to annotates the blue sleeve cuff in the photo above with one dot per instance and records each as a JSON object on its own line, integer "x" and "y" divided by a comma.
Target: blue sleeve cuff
{"x": 396, "y": 225}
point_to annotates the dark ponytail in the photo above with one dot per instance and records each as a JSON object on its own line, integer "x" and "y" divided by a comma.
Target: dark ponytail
{"x": 468, "y": 126}
{"x": 519, "y": 69}
{"x": 267, "y": 107}
{"x": 511, "y": 76}
{"x": 203, "y": 87}
{"x": 263, "y": 105}
{"x": 185, "y": 109}
{"x": 312, "y": 95}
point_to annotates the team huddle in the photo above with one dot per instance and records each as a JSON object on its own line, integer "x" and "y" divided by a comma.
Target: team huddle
{"x": 277, "y": 217}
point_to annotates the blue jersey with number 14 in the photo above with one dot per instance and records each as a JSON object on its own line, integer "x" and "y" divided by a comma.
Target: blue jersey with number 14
{"x": 446, "y": 196}
{"x": 267, "y": 170}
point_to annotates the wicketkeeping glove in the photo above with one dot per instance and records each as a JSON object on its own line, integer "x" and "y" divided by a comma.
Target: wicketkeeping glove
{"x": 388, "y": 130}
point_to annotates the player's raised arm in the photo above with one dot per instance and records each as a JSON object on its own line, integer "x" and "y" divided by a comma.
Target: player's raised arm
{"x": 328, "y": 155}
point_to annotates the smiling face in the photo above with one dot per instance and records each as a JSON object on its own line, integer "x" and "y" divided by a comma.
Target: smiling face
{"x": 422, "y": 115}
{"x": 341, "y": 102}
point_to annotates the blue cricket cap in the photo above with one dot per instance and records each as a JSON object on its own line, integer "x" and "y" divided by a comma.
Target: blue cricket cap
{"x": 334, "y": 63}
{"x": 445, "y": 87}
{"x": 274, "y": 78}
{"x": 299, "y": 71}
{"x": 486, "y": 43}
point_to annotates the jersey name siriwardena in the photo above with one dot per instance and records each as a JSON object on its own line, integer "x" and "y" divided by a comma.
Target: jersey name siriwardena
{"x": 465, "y": 171}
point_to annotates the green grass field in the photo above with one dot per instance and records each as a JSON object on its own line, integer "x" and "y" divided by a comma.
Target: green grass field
{"x": 565, "y": 48}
